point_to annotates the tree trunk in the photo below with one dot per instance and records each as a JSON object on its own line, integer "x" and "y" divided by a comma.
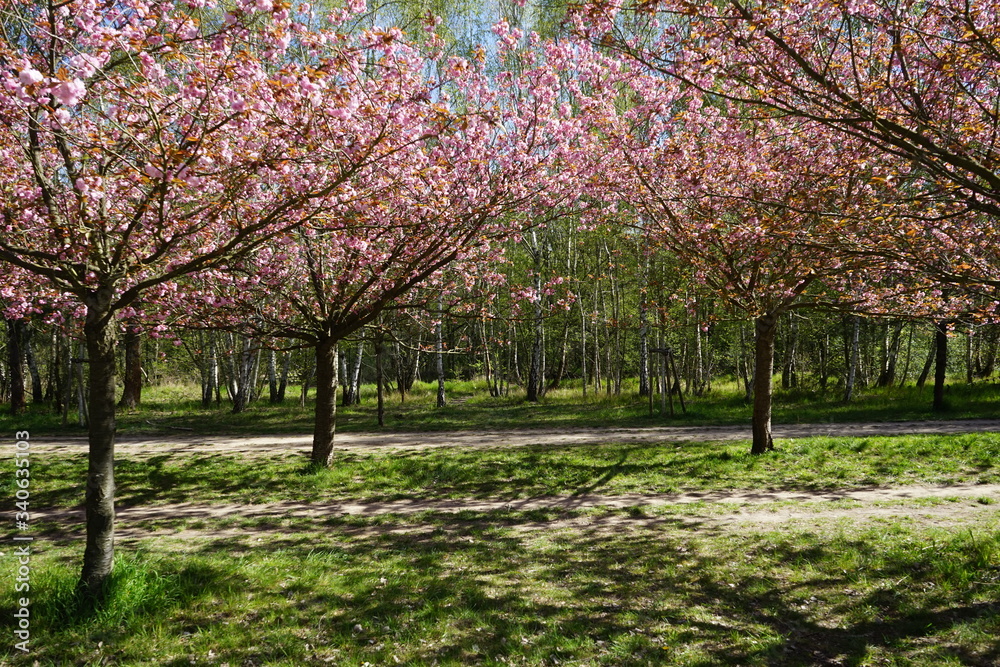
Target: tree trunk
{"x": 644, "y": 389}
{"x": 439, "y": 363}
{"x": 380, "y": 380}
{"x": 744, "y": 366}
{"x": 99, "y": 330}
{"x": 15, "y": 364}
{"x": 132, "y": 380}
{"x": 789, "y": 376}
{"x": 58, "y": 387}
{"x": 583, "y": 348}
{"x": 969, "y": 368}
{"x": 823, "y": 362}
{"x": 909, "y": 353}
{"x": 66, "y": 368}
{"x": 355, "y": 381}
{"x": 940, "y": 364}
{"x": 307, "y": 373}
{"x": 698, "y": 361}
{"x": 37, "y": 395}
{"x": 242, "y": 370}
{"x": 892, "y": 347}
{"x": 272, "y": 377}
{"x": 765, "y": 327}
{"x": 563, "y": 356}
{"x": 853, "y": 355}
{"x": 82, "y": 412}
{"x": 286, "y": 365}
{"x": 928, "y": 363}
{"x": 326, "y": 402}
{"x": 535, "y": 380}
{"x": 211, "y": 383}
{"x": 989, "y": 358}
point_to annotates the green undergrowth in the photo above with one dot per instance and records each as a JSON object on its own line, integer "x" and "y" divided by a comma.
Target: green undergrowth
{"x": 176, "y": 410}
{"x": 819, "y": 463}
{"x": 488, "y": 589}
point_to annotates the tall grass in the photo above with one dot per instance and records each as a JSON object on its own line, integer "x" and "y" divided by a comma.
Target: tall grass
{"x": 135, "y": 591}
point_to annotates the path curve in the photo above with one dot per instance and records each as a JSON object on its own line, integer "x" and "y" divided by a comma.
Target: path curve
{"x": 275, "y": 444}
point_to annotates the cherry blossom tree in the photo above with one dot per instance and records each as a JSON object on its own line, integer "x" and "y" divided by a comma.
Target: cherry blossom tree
{"x": 145, "y": 140}
{"x": 916, "y": 81}
{"x": 738, "y": 208}
{"x": 749, "y": 202}
{"x": 423, "y": 227}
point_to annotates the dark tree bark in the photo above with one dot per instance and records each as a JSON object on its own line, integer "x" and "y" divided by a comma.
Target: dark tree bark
{"x": 765, "y": 328}
{"x": 406, "y": 362}
{"x": 241, "y": 367}
{"x": 789, "y": 373}
{"x": 352, "y": 376}
{"x": 307, "y": 374}
{"x": 987, "y": 361}
{"x": 563, "y": 357}
{"x": 969, "y": 366}
{"x": 892, "y": 347}
{"x": 286, "y": 365}
{"x": 940, "y": 364}
{"x": 15, "y": 366}
{"x": 100, "y": 333}
{"x": 644, "y": 384}
{"x": 132, "y": 379}
{"x": 928, "y": 364}
{"x": 854, "y": 353}
{"x": 82, "y": 411}
{"x": 823, "y": 365}
{"x": 744, "y": 365}
{"x": 535, "y": 380}
{"x": 326, "y": 402}
{"x": 583, "y": 348}
{"x": 210, "y": 375}
{"x": 380, "y": 379}
{"x": 37, "y": 394}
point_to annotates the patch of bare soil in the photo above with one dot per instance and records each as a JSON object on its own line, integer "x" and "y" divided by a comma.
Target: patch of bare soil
{"x": 278, "y": 445}
{"x": 755, "y": 508}
{"x": 969, "y": 503}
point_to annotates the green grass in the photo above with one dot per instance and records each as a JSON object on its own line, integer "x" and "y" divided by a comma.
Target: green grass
{"x": 656, "y": 585}
{"x": 524, "y": 472}
{"x": 176, "y": 409}
{"x": 497, "y": 590}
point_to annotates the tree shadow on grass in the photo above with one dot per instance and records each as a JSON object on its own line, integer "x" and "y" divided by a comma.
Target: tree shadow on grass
{"x": 470, "y": 590}
{"x": 623, "y": 590}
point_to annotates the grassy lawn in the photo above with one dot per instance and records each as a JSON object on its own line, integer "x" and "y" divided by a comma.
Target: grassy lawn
{"x": 524, "y": 472}
{"x": 502, "y": 589}
{"x": 176, "y": 409}
{"x": 663, "y": 585}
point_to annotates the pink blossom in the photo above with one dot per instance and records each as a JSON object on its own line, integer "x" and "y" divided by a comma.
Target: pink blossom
{"x": 30, "y": 76}
{"x": 69, "y": 93}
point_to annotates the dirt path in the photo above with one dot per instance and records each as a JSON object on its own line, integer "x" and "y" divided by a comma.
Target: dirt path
{"x": 721, "y": 509}
{"x": 275, "y": 444}
{"x": 966, "y": 503}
